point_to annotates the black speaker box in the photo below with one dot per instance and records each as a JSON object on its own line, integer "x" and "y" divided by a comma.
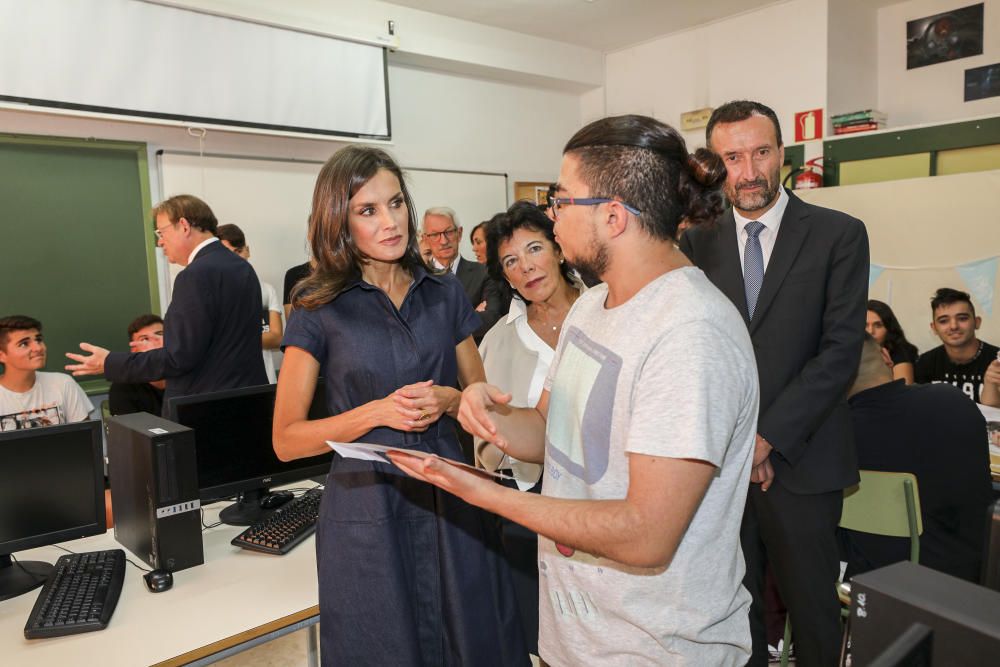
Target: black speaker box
{"x": 964, "y": 617}
{"x": 154, "y": 490}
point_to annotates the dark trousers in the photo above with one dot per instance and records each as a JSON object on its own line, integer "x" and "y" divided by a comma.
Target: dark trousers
{"x": 796, "y": 534}
{"x": 520, "y": 547}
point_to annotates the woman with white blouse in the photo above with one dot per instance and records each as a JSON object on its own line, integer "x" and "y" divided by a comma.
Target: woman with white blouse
{"x": 521, "y": 250}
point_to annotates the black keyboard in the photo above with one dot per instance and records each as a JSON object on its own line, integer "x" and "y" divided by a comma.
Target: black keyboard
{"x": 282, "y": 531}
{"x": 80, "y": 595}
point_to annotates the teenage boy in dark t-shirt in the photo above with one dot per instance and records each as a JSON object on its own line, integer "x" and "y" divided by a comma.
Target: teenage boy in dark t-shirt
{"x": 962, "y": 359}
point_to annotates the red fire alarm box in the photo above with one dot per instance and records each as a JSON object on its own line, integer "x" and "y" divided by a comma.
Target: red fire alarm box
{"x": 809, "y": 125}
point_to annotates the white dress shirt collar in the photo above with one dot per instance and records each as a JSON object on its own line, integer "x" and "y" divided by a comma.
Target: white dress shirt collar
{"x": 771, "y": 219}
{"x": 440, "y": 267}
{"x": 518, "y": 309}
{"x": 200, "y": 246}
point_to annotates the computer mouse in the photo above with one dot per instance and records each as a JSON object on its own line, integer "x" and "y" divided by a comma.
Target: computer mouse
{"x": 158, "y": 581}
{"x": 275, "y": 500}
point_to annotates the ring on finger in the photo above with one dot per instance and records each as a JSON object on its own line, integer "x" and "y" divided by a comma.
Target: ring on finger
{"x": 422, "y": 416}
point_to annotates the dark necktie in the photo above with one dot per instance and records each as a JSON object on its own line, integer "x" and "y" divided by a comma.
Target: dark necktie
{"x": 753, "y": 264}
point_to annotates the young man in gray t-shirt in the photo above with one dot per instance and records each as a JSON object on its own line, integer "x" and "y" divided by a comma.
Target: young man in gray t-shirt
{"x": 646, "y": 426}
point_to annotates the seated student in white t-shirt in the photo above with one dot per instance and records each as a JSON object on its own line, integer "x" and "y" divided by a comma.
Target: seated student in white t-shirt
{"x": 30, "y": 397}
{"x": 233, "y": 238}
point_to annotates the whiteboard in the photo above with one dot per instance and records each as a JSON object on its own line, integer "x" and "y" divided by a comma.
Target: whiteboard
{"x": 270, "y": 200}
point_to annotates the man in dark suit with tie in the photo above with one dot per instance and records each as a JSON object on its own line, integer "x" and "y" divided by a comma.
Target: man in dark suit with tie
{"x": 443, "y": 234}
{"x": 799, "y": 275}
{"x": 212, "y": 328}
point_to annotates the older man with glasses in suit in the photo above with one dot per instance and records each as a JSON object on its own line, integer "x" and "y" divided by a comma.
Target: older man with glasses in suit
{"x": 443, "y": 234}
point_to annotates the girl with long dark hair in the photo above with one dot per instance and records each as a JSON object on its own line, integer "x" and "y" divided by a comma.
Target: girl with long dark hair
{"x": 883, "y": 326}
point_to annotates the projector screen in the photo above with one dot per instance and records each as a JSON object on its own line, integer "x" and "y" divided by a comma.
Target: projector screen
{"x": 150, "y": 61}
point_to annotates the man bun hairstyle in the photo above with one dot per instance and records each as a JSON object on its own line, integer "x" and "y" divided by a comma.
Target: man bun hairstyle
{"x": 645, "y": 163}
{"x": 706, "y": 172}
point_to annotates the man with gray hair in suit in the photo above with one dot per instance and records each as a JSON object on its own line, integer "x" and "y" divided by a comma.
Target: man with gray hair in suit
{"x": 443, "y": 234}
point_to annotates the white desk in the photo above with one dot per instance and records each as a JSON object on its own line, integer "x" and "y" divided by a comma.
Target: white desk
{"x": 236, "y": 600}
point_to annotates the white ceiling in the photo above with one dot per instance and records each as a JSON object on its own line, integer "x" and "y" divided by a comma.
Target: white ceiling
{"x": 604, "y": 25}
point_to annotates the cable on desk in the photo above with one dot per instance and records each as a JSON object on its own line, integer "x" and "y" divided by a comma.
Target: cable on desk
{"x": 205, "y": 526}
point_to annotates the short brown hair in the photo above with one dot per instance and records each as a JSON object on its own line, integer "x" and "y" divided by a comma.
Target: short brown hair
{"x": 232, "y": 235}
{"x": 195, "y": 211}
{"x": 142, "y": 322}
{"x": 740, "y": 110}
{"x": 16, "y": 323}
{"x": 946, "y": 296}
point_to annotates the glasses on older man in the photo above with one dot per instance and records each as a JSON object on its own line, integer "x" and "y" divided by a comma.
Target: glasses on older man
{"x": 556, "y": 203}
{"x": 447, "y": 234}
{"x": 158, "y": 231}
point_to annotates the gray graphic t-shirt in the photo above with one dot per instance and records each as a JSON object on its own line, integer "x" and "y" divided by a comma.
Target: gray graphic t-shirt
{"x": 670, "y": 373}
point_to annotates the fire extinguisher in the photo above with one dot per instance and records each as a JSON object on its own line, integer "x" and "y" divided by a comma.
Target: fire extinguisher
{"x": 809, "y": 175}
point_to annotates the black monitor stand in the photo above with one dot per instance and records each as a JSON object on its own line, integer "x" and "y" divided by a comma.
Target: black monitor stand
{"x": 246, "y": 511}
{"x": 20, "y": 577}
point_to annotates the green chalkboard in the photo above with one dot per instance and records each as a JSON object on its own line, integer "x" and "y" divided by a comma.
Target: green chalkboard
{"x": 76, "y": 245}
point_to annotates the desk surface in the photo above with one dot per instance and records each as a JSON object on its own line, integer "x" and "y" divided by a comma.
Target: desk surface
{"x": 235, "y": 596}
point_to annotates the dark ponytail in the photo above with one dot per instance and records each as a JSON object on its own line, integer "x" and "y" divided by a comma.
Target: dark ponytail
{"x": 700, "y": 187}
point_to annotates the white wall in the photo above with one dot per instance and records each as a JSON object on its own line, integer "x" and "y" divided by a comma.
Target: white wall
{"x": 775, "y": 55}
{"x": 905, "y": 230}
{"x": 935, "y": 93}
{"x": 452, "y": 121}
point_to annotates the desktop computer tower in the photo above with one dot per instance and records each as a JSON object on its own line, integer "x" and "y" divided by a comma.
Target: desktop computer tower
{"x": 962, "y": 616}
{"x": 153, "y": 472}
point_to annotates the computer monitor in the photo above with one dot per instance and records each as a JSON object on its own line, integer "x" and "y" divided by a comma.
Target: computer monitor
{"x": 51, "y": 490}
{"x": 913, "y": 648}
{"x": 232, "y": 433}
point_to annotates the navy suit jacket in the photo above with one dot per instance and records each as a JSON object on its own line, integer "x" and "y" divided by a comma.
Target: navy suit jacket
{"x": 807, "y": 331}
{"x": 211, "y": 332}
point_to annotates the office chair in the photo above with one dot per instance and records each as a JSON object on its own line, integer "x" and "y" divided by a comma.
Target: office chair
{"x": 883, "y": 503}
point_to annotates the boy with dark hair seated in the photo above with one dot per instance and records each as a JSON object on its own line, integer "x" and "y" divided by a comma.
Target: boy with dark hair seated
{"x": 144, "y": 333}
{"x": 30, "y": 397}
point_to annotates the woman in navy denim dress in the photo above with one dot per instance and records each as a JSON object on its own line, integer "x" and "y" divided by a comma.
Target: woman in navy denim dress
{"x": 408, "y": 574}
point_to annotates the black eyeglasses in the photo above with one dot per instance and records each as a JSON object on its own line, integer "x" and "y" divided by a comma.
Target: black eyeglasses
{"x": 448, "y": 234}
{"x": 555, "y": 203}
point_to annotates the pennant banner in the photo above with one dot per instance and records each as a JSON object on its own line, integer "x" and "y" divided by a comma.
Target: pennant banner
{"x": 980, "y": 278}
{"x": 874, "y": 271}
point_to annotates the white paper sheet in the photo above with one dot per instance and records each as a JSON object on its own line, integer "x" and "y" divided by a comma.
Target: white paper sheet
{"x": 366, "y": 451}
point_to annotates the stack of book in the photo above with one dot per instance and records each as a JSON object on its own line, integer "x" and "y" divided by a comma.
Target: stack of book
{"x": 858, "y": 121}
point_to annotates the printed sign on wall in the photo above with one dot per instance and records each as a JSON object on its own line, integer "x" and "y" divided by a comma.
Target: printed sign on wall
{"x": 809, "y": 125}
